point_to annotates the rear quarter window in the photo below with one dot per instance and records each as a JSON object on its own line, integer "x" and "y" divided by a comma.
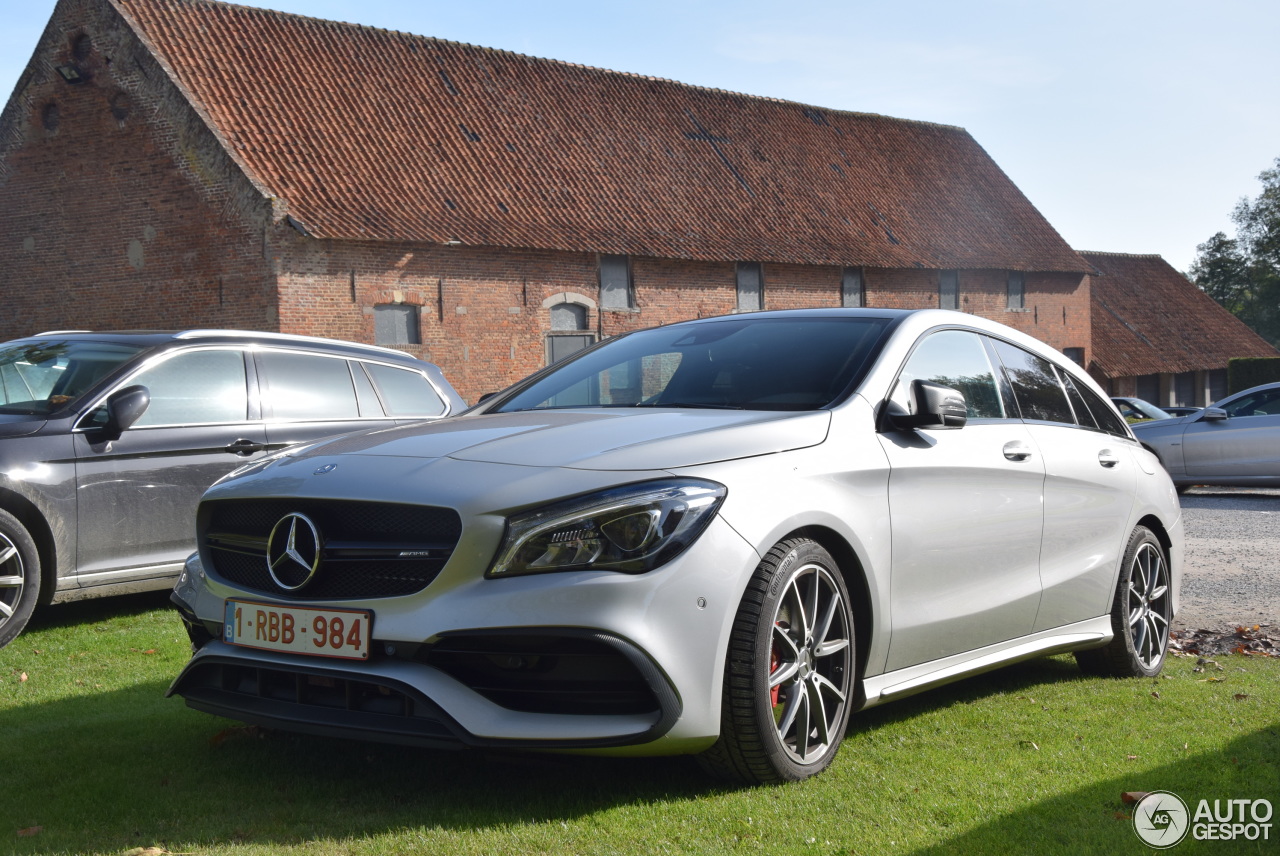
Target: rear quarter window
{"x": 1036, "y": 388}
{"x": 405, "y": 392}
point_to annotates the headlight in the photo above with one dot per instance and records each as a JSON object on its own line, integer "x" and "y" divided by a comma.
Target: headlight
{"x": 631, "y": 529}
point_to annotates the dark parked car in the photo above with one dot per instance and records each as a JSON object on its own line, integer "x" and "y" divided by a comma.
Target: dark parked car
{"x": 1179, "y": 410}
{"x": 1137, "y": 410}
{"x": 1234, "y": 442}
{"x": 107, "y": 441}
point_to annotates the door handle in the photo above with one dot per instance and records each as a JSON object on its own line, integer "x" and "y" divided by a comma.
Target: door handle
{"x": 244, "y": 447}
{"x": 1016, "y": 450}
{"x": 1108, "y": 458}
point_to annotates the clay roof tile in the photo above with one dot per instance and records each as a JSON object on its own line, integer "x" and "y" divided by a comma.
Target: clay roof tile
{"x": 364, "y": 131}
{"x": 1148, "y": 318}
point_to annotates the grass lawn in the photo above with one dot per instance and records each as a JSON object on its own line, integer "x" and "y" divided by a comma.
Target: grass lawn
{"x": 1030, "y": 759}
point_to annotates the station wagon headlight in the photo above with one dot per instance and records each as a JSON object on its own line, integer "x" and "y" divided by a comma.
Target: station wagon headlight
{"x": 631, "y": 529}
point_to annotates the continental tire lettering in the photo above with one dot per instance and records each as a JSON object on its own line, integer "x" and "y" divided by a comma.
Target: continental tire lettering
{"x": 780, "y": 578}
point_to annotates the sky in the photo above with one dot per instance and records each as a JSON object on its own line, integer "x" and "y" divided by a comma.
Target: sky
{"x": 1134, "y": 126}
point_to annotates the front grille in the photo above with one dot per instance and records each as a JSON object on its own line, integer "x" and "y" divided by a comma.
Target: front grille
{"x": 371, "y": 549}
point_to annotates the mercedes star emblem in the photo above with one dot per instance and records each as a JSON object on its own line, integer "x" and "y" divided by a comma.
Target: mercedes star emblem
{"x": 293, "y": 551}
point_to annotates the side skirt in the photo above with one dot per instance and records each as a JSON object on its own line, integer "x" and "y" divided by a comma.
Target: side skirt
{"x": 1091, "y": 633}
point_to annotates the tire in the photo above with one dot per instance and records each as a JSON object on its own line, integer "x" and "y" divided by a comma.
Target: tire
{"x": 19, "y": 577}
{"x": 1140, "y": 615}
{"x": 789, "y": 673}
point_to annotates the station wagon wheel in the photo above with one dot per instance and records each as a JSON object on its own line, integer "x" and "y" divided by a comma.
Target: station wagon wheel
{"x": 1140, "y": 614}
{"x": 19, "y": 577}
{"x": 790, "y": 668}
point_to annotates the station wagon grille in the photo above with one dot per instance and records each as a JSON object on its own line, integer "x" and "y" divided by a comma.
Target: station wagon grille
{"x": 369, "y": 549}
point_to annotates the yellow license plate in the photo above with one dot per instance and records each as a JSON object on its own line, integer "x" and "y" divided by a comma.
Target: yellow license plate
{"x": 342, "y": 633}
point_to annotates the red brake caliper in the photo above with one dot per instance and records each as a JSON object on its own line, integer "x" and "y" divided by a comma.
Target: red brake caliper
{"x": 773, "y": 667}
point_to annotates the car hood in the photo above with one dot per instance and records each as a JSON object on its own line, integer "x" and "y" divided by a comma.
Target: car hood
{"x": 19, "y": 425}
{"x": 599, "y": 439}
{"x": 1159, "y": 426}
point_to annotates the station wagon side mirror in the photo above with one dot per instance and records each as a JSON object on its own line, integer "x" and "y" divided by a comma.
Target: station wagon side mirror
{"x": 125, "y": 407}
{"x": 1213, "y": 414}
{"x": 936, "y": 406}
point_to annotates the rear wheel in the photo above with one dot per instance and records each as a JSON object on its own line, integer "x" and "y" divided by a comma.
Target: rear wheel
{"x": 1140, "y": 614}
{"x": 789, "y": 674}
{"x": 19, "y": 577}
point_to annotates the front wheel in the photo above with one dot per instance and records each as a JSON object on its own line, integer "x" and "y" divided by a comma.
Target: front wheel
{"x": 19, "y": 577}
{"x": 790, "y": 669}
{"x": 1140, "y": 614}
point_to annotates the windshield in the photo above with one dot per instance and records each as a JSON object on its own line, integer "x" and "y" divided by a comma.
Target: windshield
{"x": 739, "y": 363}
{"x": 38, "y": 377}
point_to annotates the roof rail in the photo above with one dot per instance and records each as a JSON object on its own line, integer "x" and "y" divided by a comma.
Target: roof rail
{"x": 61, "y": 332}
{"x": 283, "y": 337}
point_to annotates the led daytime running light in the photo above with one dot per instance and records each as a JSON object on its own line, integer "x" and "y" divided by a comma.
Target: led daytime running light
{"x": 632, "y": 529}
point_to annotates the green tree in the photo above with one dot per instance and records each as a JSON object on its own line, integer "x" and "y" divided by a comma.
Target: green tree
{"x": 1222, "y": 273}
{"x": 1243, "y": 273}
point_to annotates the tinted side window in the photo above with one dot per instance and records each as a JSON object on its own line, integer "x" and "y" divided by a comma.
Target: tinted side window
{"x": 195, "y": 387}
{"x": 956, "y": 359}
{"x": 1104, "y": 415}
{"x": 1265, "y": 402}
{"x": 1035, "y": 385}
{"x": 1083, "y": 415}
{"x": 405, "y": 392}
{"x": 304, "y": 386}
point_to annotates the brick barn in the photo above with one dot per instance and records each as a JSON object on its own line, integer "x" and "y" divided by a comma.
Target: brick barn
{"x": 184, "y": 163}
{"x": 1158, "y": 337}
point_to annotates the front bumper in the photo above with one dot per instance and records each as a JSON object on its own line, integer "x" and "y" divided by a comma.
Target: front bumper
{"x": 595, "y": 661}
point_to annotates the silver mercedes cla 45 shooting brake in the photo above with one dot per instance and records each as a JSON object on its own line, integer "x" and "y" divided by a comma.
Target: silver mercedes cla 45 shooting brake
{"x": 718, "y": 537}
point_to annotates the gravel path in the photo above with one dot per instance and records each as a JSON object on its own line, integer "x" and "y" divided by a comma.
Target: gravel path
{"x": 1232, "y": 572}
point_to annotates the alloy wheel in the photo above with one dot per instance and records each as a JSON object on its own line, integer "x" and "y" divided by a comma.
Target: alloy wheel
{"x": 12, "y": 578}
{"x": 810, "y": 664}
{"x": 1149, "y": 605}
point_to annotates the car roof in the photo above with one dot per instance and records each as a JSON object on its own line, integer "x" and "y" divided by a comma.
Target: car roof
{"x": 161, "y": 338}
{"x": 1257, "y": 388}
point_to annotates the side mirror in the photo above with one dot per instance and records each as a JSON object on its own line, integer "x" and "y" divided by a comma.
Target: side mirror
{"x": 936, "y": 406}
{"x": 486, "y": 397}
{"x": 125, "y": 407}
{"x": 1213, "y": 414}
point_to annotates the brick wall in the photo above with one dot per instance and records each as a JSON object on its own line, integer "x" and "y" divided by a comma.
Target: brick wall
{"x": 484, "y": 318}
{"x": 118, "y": 209}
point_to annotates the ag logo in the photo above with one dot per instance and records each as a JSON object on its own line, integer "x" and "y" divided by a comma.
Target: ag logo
{"x": 1161, "y": 819}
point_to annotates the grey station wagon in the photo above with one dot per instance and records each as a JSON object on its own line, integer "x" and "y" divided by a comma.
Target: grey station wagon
{"x": 107, "y": 441}
{"x": 718, "y": 537}
{"x": 1235, "y": 441}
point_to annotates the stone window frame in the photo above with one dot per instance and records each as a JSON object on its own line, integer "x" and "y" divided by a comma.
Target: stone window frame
{"x": 949, "y": 289}
{"x": 744, "y": 295}
{"x": 609, "y": 296}
{"x": 853, "y": 288}
{"x": 412, "y": 332}
{"x": 1016, "y": 291}
{"x": 574, "y": 298}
